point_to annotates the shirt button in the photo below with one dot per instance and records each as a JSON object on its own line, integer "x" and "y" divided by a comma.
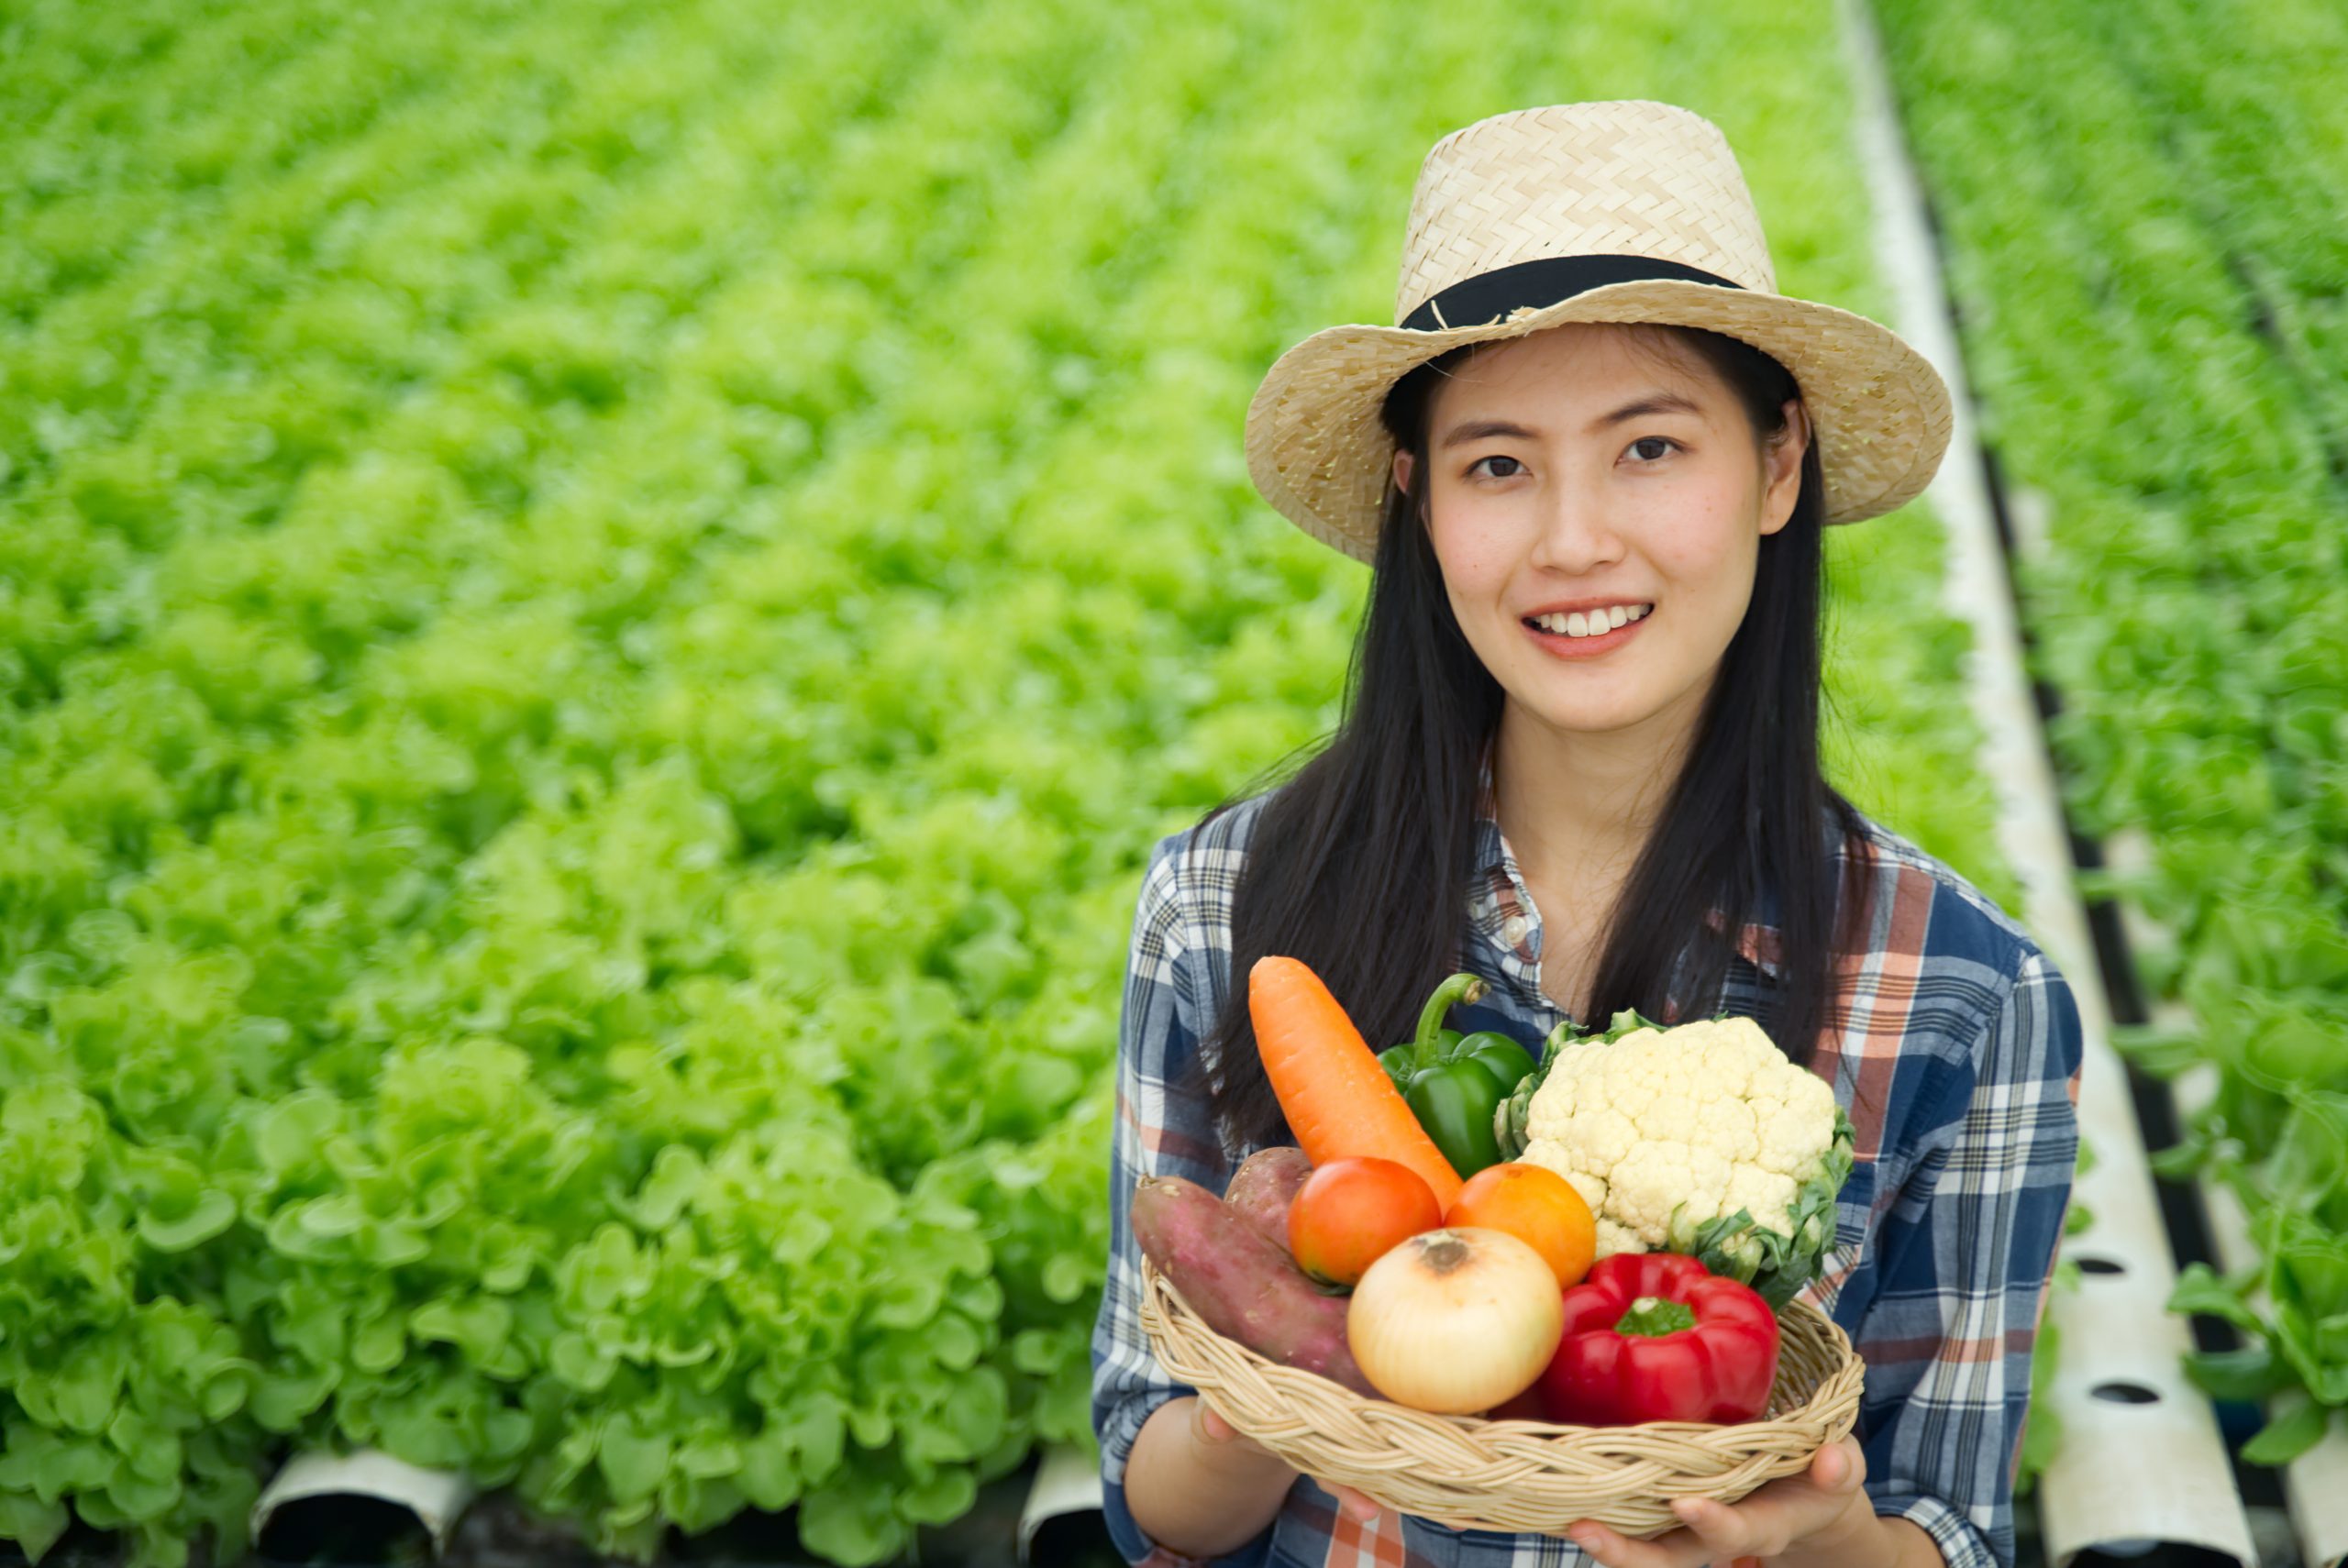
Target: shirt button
{"x": 1514, "y": 929}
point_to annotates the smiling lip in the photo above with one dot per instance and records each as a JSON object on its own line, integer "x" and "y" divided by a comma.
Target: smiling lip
{"x": 1567, "y": 606}
{"x": 1559, "y": 645}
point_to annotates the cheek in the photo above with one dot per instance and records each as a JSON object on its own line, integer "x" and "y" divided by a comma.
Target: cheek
{"x": 1706, "y": 548}
{"x": 1474, "y": 560}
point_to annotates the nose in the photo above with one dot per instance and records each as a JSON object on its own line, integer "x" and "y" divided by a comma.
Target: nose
{"x": 1577, "y": 535}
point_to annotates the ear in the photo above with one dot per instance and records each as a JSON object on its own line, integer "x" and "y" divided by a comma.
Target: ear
{"x": 1781, "y": 467}
{"x": 1403, "y": 469}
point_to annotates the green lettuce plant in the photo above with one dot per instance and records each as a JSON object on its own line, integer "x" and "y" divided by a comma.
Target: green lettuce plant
{"x": 599, "y": 610}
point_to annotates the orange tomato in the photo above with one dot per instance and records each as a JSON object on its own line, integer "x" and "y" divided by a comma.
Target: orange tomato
{"x": 1351, "y": 1213}
{"x": 1536, "y": 1206}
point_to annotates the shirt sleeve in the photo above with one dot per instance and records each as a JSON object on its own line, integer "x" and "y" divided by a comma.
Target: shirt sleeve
{"x": 1159, "y": 1130}
{"x": 1948, "y": 1343}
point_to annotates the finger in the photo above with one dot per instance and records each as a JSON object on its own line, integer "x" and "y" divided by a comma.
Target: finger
{"x": 1213, "y": 1430}
{"x": 1362, "y": 1508}
{"x": 1725, "y": 1532}
{"x": 1679, "y": 1549}
{"x": 1840, "y": 1467}
{"x": 1767, "y": 1521}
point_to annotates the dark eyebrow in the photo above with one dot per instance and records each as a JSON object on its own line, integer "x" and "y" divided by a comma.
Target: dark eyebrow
{"x": 1658, "y": 401}
{"x": 1481, "y": 429}
{"x": 1654, "y": 402}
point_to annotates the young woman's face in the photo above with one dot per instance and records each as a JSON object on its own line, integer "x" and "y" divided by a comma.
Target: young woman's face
{"x": 1597, "y": 506}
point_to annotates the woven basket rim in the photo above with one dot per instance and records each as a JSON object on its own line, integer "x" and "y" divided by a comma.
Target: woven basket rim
{"x": 1543, "y": 1474}
{"x": 1151, "y": 1272}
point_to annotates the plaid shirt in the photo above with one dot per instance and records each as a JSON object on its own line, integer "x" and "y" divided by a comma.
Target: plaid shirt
{"x": 1958, "y": 1064}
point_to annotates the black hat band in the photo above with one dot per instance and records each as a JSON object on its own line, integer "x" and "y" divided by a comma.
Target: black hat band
{"x": 1544, "y": 281}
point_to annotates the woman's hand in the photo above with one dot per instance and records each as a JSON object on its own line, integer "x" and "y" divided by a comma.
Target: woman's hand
{"x": 1807, "y": 1512}
{"x": 1219, "y": 1438}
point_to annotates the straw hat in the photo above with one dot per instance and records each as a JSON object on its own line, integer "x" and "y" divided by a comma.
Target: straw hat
{"x": 1617, "y": 211}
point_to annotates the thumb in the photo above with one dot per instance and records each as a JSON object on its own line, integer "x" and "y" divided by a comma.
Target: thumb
{"x": 1212, "y": 1427}
{"x": 1837, "y": 1467}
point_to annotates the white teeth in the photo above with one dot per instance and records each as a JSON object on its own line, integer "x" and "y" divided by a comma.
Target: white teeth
{"x": 1593, "y": 623}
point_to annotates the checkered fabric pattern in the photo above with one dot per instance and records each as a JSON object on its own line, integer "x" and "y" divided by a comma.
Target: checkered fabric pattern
{"x": 1958, "y": 1061}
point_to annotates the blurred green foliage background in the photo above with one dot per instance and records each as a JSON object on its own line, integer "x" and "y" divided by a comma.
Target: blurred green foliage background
{"x": 599, "y": 606}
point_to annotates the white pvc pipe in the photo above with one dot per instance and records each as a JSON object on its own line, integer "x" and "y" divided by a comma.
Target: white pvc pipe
{"x": 2127, "y": 1474}
{"x": 1067, "y": 1482}
{"x": 436, "y": 1497}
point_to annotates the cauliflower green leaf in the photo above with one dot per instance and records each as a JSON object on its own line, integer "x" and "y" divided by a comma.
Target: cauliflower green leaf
{"x": 1701, "y": 1138}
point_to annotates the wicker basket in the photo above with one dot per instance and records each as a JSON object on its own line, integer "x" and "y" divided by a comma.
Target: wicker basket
{"x": 1473, "y": 1473}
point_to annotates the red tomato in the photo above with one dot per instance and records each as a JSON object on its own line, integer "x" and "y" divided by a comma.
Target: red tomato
{"x": 1350, "y": 1211}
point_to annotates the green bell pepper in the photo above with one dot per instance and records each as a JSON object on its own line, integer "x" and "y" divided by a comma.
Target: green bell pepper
{"x": 1452, "y": 1082}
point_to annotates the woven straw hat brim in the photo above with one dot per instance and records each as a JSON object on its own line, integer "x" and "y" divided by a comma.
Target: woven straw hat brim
{"x": 1879, "y": 411}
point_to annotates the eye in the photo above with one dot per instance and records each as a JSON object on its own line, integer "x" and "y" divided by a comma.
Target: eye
{"x": 1495, "y": 458}
{"x": 1663, "y": 445}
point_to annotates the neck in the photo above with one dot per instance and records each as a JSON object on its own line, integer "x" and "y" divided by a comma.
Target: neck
{"x": 1578, "y": 806}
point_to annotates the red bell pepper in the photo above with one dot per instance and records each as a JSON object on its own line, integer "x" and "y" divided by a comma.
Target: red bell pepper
{"x": 1657, "y": 1337}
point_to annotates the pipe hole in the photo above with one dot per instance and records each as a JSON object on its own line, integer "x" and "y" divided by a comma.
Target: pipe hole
{"x": 343, "y": 1527}
{"x": 2093, "y": 1263}
{"x": 2126, "y": 1392}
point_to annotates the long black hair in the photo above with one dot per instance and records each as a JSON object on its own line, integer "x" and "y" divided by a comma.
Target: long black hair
{"x": 1359, "y": 863}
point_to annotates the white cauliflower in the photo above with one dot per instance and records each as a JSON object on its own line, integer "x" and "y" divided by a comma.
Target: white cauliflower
{"x": 1702, "y": 1139}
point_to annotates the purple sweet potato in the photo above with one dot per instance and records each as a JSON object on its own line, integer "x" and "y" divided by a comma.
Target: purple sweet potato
{"x": 1245, "y": 1288}
{"x": 1264, "y": 1187}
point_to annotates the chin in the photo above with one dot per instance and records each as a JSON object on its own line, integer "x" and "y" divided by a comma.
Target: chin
{"x": 1594, "y": 718}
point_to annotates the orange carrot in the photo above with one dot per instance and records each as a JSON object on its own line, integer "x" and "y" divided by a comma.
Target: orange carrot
{"x": 1339, "y": 1102}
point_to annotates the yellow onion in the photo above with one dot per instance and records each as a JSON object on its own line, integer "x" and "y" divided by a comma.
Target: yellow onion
{"x": 1456, "y": 1321}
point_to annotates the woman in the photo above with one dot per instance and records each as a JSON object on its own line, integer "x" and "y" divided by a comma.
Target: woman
{"x": 1589, "y": 466}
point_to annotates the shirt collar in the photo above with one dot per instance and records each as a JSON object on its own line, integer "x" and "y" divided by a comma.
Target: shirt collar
{"x": 1501, "y": 907}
